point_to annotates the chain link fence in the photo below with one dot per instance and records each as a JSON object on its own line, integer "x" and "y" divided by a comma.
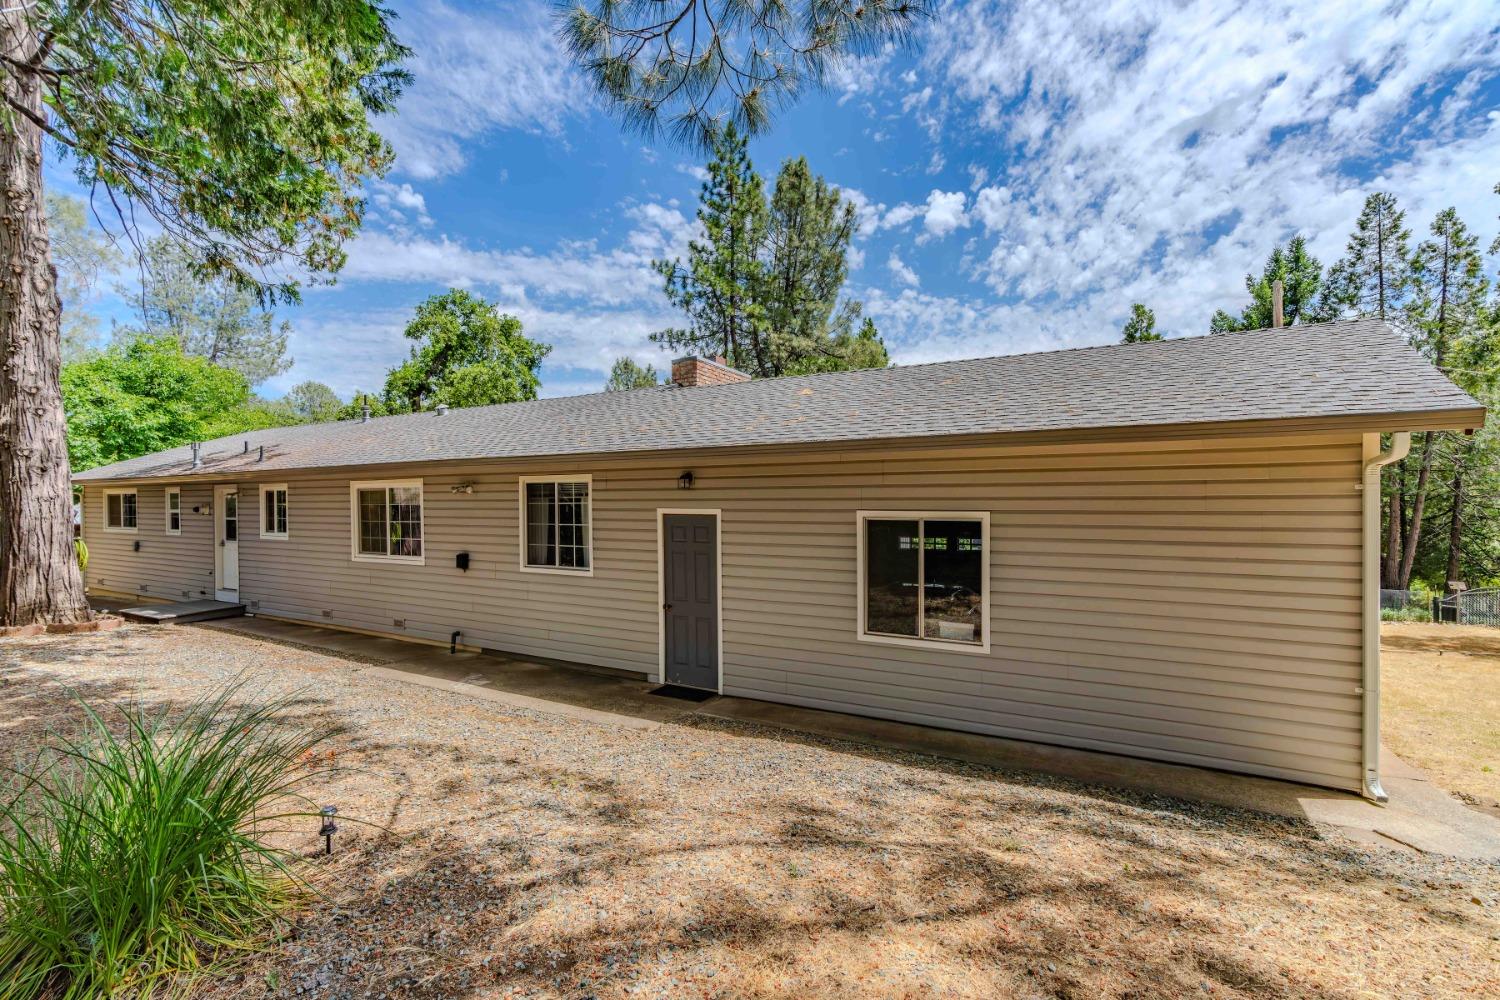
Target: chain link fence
{"x": 1471, "y": 607}
{"x": 1405, "y": 606}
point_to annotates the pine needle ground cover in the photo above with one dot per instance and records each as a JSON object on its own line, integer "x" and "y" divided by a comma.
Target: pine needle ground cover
{"x": 132, "y": 847}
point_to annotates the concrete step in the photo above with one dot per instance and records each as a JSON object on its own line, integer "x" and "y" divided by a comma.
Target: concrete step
{"x": 181, "y": 612}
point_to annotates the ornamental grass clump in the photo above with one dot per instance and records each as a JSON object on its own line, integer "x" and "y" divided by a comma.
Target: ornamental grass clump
{"x": 134, "y": 856}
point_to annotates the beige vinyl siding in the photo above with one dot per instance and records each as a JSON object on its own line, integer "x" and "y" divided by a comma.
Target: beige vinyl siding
{"x": 1192, "y": 601}
{"x": 167, "y": 567}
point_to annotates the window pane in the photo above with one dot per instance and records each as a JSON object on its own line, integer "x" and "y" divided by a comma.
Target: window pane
{"x": 128, "y": 508}
{"x": 372, "y": 529}
{"x": 114, "y": 505}
{"x": 573, "y": 525}
{"x": 231, "y": 517}
{"x": 541, "y": 524}
{"x": 953, "y": 605}
{"x": 891, "y": 577}
{"x": 274, "y": 510}
{"x": 406, "y": 521}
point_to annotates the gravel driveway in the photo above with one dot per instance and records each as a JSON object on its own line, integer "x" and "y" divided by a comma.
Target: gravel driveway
{"x": 526, "y": 855}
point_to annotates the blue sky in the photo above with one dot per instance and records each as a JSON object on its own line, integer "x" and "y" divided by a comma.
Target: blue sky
{"x": 1023, "y": 173}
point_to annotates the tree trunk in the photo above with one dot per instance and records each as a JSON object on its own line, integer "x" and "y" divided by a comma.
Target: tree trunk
{"x": 1418, "y": 502}
{"x": 39, "y": 577}
{"x": 1390, "y": 572}
{"x": 1456, "y": 518}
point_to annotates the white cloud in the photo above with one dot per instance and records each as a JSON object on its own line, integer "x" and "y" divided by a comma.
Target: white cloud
{"x": 901, "y": 272}
{"x": 946, "y": 211}
{"x": 992, "y": 207}
{"x": 576, "y": 270}
{"x": 397, "y": 201}
{"x": 1155, "y": 150}
{"x": 473, "y": 73}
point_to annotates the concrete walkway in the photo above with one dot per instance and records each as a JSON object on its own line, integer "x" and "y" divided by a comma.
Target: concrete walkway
{"x": 1419, "y": 817}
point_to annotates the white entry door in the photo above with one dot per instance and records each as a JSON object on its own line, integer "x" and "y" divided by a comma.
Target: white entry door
{"x": 227, "y": 560}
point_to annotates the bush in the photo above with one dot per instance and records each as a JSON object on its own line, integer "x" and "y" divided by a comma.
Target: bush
{"x": 129, "y": 859}
{"x": 1410, "y": 613}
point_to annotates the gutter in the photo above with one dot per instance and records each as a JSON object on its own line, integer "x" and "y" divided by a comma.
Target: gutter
{"x": 1370, "y": 677}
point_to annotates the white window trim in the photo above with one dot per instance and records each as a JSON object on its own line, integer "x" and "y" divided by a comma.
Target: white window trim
{"x": 104, "y": 512}
{"x": 265, "y": 488}
{"x": 983, "y": 517}
{"x": 374, "y": 484}
{"x": 166, "y": 514}
{"x": 579, "y": 477}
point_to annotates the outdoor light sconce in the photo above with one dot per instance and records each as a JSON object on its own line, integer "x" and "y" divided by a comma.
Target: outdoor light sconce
{"x": 329, "y": 827}
{"x": 685, "y": 481}
{"x": 462, "y": 561}
{"x": 137, "y": 546}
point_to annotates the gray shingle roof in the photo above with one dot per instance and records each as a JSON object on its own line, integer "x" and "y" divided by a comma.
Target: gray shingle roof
{"x": 1345, "y": 369}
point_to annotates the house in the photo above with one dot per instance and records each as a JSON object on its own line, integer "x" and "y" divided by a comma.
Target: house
{"x": 1166, "y": 550}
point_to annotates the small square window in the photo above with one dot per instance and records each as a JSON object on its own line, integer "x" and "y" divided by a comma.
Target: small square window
{"x": 119, "y": 510}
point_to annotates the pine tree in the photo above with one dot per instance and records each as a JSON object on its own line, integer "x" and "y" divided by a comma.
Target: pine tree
{"x": 1140, "y": 328}
{"x": 717, "y": 287}
{"x": 763, "y": 288}
{"x": 806, "y": 264}
{"x": 1446, "y": 313}
{"x": 1372, "y": 278}
{"x": 1301, "y": 277}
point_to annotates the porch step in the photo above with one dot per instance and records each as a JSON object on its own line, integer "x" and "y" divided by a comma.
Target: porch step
{"x": 182, "y": 612}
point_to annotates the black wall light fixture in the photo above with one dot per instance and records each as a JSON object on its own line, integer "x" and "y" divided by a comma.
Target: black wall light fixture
{"x": 462, "y": 561}
{"x": 685, "y": 481}
{"x": 137, "y": 546}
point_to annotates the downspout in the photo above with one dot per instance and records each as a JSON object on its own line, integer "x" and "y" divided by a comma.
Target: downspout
{"x": 1370, "y": 678}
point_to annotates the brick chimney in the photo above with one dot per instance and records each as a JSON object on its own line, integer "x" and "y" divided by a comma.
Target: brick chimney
{"x": 691, "y": 371}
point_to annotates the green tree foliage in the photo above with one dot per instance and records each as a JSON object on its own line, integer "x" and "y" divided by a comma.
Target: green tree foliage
{"x": 313, "y": 401}
{"x": 467, "y": 354}
{"x": 689, "y": 66}
{"x": 626, "y": 374}
{"x": 844, "y": 351}
{"x": 805, "y": 265}
{"x": 1373, "y": 276}
{"x": 1301, "y": 276}
{"x": 354, "y": 409}
{"x": 718, "y": 287}
{"x": 762, "y": 288}
{"x": 1140, "y": 328}
{"x": 241, "y": 130}
{"x": 138, "y": 397}
{"x": 81, "y": 253}
{"x": 255, "y": 414}
{"x": 209, "y": 314}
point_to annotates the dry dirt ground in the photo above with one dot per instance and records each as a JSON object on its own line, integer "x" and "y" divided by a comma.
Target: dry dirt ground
{"x": 525, "y": 855}
{"x": 1440, "y": 702}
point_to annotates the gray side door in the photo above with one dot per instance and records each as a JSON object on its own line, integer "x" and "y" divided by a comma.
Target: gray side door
{"x": 691, "y": 605}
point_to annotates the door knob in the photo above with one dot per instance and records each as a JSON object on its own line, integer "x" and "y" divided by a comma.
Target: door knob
{"x": 666, "y": 607}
